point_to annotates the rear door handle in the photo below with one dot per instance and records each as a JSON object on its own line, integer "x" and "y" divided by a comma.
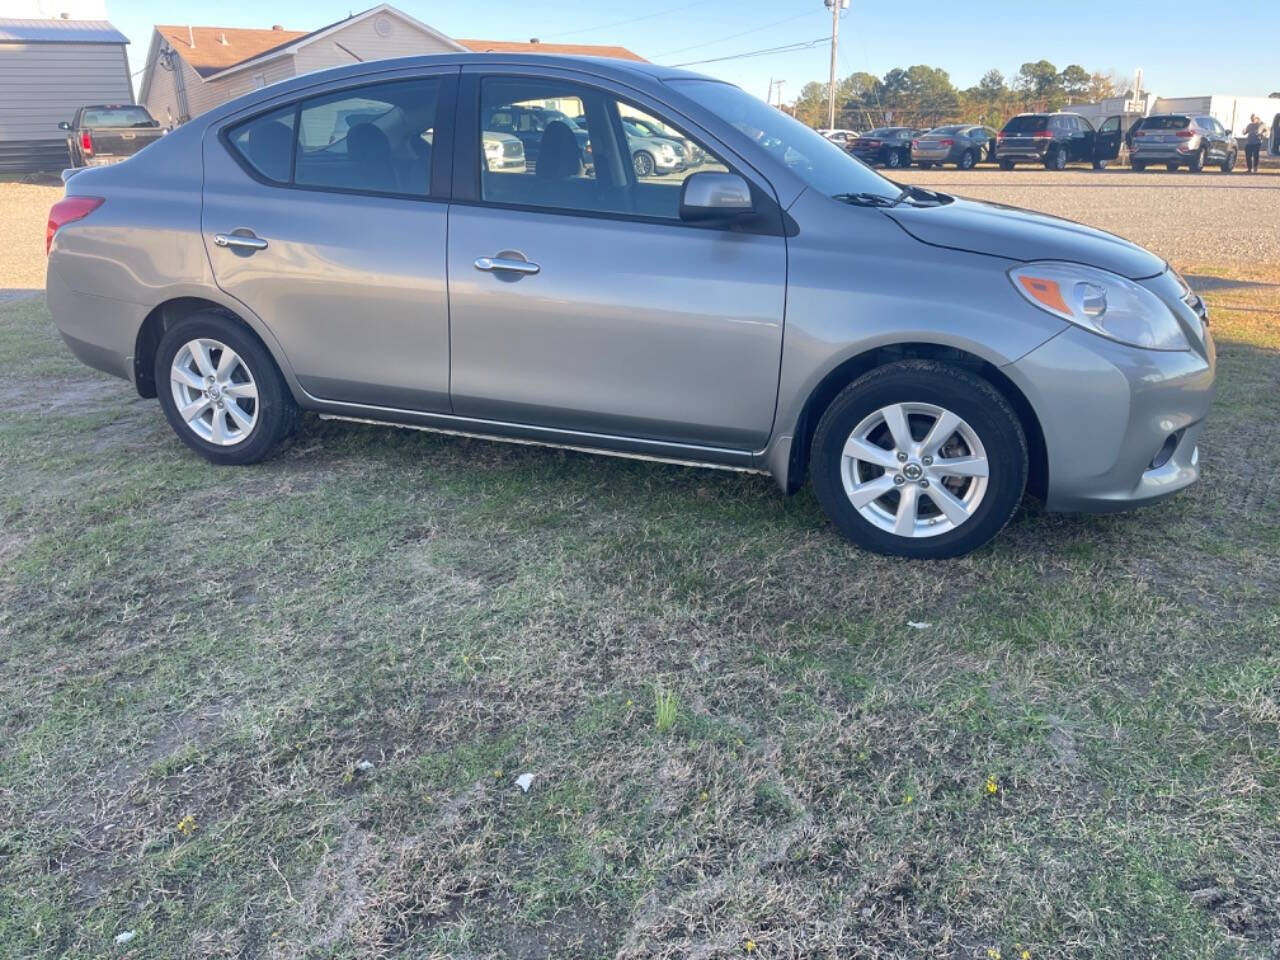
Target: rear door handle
{"x": 238, "y": 241}
{"x": 490, "y": 264}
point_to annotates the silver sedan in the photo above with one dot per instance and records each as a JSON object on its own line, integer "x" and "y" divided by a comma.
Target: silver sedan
{"x": 780, "y": 308}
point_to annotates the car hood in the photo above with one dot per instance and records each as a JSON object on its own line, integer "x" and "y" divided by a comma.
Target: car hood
{"x": 1016, "y": 234}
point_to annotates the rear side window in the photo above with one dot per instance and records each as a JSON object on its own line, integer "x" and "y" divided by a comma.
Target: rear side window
{"x": 266, "y": 143}
{"x": 1166, "y": 123}
{"x": 1026, "y": 124}
{"x": 373, "y": 139}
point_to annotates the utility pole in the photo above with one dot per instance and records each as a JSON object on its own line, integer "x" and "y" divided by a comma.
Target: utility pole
{"x": 778, "y": 85}
{"x": 836, "y": 6}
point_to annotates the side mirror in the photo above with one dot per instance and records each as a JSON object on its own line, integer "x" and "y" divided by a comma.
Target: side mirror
{"x": 714, "y": 196}
{"x": 64, "y": 125}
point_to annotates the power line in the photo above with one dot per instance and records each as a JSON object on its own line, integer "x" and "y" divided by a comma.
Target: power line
{"x": 619, "y": 23}
{"x": 734, "y": 36}
{"x": 786, "y": 48}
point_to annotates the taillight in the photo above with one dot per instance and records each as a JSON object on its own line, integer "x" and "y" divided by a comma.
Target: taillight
{"x": 947, "y": 143}
{"x": 1185, "y": 134}
{"x": 999, "y": 137}
{"x": 1138, "y": 133}
{"x": 873, "y": 143}
{"x": 86, "y": 141}
{"x": 1042, "y": 134}
{"x": 68, "y": 210}
{"x": 915, "y": 144}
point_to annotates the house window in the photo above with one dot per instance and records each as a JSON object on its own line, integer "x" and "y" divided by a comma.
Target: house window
{"x": 259, "y": 81}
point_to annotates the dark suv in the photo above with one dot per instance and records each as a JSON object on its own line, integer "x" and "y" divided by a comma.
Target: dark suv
{"x": 888, "y": 145}
{"x": 1056, "y": 139}
{"x": 1178, "y": 140}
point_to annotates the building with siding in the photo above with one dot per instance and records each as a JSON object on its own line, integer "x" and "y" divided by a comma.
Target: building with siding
{"x": 48, "y": 70}
{"x": 192, "y": 69}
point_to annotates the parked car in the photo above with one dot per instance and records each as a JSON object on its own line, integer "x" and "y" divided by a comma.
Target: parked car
{"x": 890, "y": 146}
{"x": 503, "y": 151}
{"x": 941, "y": 356}
{"x": 108, "y": 133}
{"x": 528, "y": 123}
{"x": 653, "y": 156}
{"x": 1056, "y": 139}
{"x": 965, "y": 145}
{"x": 1181, "y": 140}
{"x": 688, "y": 151}
{"x": 840, "y": 137}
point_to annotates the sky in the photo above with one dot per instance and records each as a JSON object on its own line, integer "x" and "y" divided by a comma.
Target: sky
{"x": 1185, "y": 48}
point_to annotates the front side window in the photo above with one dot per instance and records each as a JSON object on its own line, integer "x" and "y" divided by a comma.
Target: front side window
{"x": 372, "y": 139}
{"x": 818, "y": 162}
{"x": 561, "y": 145}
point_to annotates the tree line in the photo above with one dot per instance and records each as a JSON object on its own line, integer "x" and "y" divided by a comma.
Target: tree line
{"x": 924, "y": 96}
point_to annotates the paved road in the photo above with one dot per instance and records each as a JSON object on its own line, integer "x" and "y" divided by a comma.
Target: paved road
{"x": 1190, "y": 219}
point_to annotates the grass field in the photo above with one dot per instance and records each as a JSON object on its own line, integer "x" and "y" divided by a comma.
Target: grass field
{"x": 280, "y": 711}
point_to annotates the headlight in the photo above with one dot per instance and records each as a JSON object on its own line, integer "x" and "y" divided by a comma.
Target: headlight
{"x": 1102, "y": 302}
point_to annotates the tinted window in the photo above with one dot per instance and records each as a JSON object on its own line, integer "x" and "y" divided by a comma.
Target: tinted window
{"x": 1166, "y": 123}
{"x": 266, "y": 142}
{"x": 1027, "y": 124}
{"x": 375, "y": 139}
{"x": 559, "y": 145}
{"x": 117, "y": 117}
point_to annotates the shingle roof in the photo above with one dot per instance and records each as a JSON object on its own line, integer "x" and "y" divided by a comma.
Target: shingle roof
{"x": 59, "y": 31}
{"x": 564, "y": 49}
{"x": 211, "y": 54}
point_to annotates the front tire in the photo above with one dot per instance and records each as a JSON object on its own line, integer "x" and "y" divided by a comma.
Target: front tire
{"x": 1198, "y": 161}
{"x": 1138, "y": 166}
{"x": 1229, "y": 163}
{"x": 925, "y": 164}
{"x": 644, "y": 164}
{"x": 966, "y": 161}
{"x": 893, "y": 160}
{"x": 1007, "y": 164}
{"x": 1172, "y": 166}
{"x": 919, "y": 459}
{"x": 1100, "y": 164}
{"x": 221, "y": 391}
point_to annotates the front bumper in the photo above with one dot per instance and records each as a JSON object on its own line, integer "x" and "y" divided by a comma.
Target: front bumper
{"x": 1110, "y": 414}
{"x": 1107, "y": 412}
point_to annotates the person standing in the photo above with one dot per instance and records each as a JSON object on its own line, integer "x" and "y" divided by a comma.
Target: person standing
{"x": 1254, "y": 134}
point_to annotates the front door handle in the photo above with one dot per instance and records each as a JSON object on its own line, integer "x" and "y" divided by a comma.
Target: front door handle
{"x": 238, "y": 241}
{"x": 489, "y": 264}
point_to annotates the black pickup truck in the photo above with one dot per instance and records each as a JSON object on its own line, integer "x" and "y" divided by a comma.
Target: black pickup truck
{"x": 108, "y": 133}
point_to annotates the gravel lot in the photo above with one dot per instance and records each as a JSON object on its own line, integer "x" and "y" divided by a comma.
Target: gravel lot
{"x": 1189, "y": 219}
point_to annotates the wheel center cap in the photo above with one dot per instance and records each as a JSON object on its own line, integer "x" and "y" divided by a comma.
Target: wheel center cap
{"x": 214, "y": 392}
{"x": 912, "y": 471}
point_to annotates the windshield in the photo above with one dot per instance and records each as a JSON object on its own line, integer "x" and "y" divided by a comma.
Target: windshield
{"x": 813, "y": 158}
{"x": 117, "y": 117}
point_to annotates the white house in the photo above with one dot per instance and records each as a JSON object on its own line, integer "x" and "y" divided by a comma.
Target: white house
{"x": 191, "y": 69}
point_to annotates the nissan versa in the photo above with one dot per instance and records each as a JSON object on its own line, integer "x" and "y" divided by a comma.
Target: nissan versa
{"x": 339, "y": 243}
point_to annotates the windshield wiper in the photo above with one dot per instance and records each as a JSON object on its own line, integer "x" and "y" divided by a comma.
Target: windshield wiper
{"x": 865, "y": 199}
{"x": 930, "y": 197}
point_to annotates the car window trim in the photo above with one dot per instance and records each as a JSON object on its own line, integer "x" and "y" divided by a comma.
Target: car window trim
{"x": 466, "y": 157}
{"x": 439, "y": 179}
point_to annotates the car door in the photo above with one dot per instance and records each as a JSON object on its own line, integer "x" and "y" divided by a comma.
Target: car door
{"x": 579, "y": 301}
{"x": 326, "y": 216}
{"x": 1106, "y": 140}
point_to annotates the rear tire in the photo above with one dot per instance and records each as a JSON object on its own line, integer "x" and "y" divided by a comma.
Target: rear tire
{"x": 1056, "y": 159}
{"x": 1007, "y": 164}
{"x": 1198, "y": 161}
{"x": 246, "y": 377}
{"x": 893, "y": 160}
{"x": 925, "y": 164}
{"x": 967, "y": 160}
{"x": 1172, "y": 166}
{"x": 1100, "y": 164}
{"x": 644, "y": 164}
{"x": 987, "y": 429}
{"x": 1138, "y": 166}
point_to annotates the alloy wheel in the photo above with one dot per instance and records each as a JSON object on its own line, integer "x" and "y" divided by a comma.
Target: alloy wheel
{"x": 214, "y": 392}
{"x": 914, "y": 469}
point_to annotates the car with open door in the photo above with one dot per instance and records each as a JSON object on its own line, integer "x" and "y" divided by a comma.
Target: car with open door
{"x": 341, "y": 243}
{"x": 1054, "y": 140}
